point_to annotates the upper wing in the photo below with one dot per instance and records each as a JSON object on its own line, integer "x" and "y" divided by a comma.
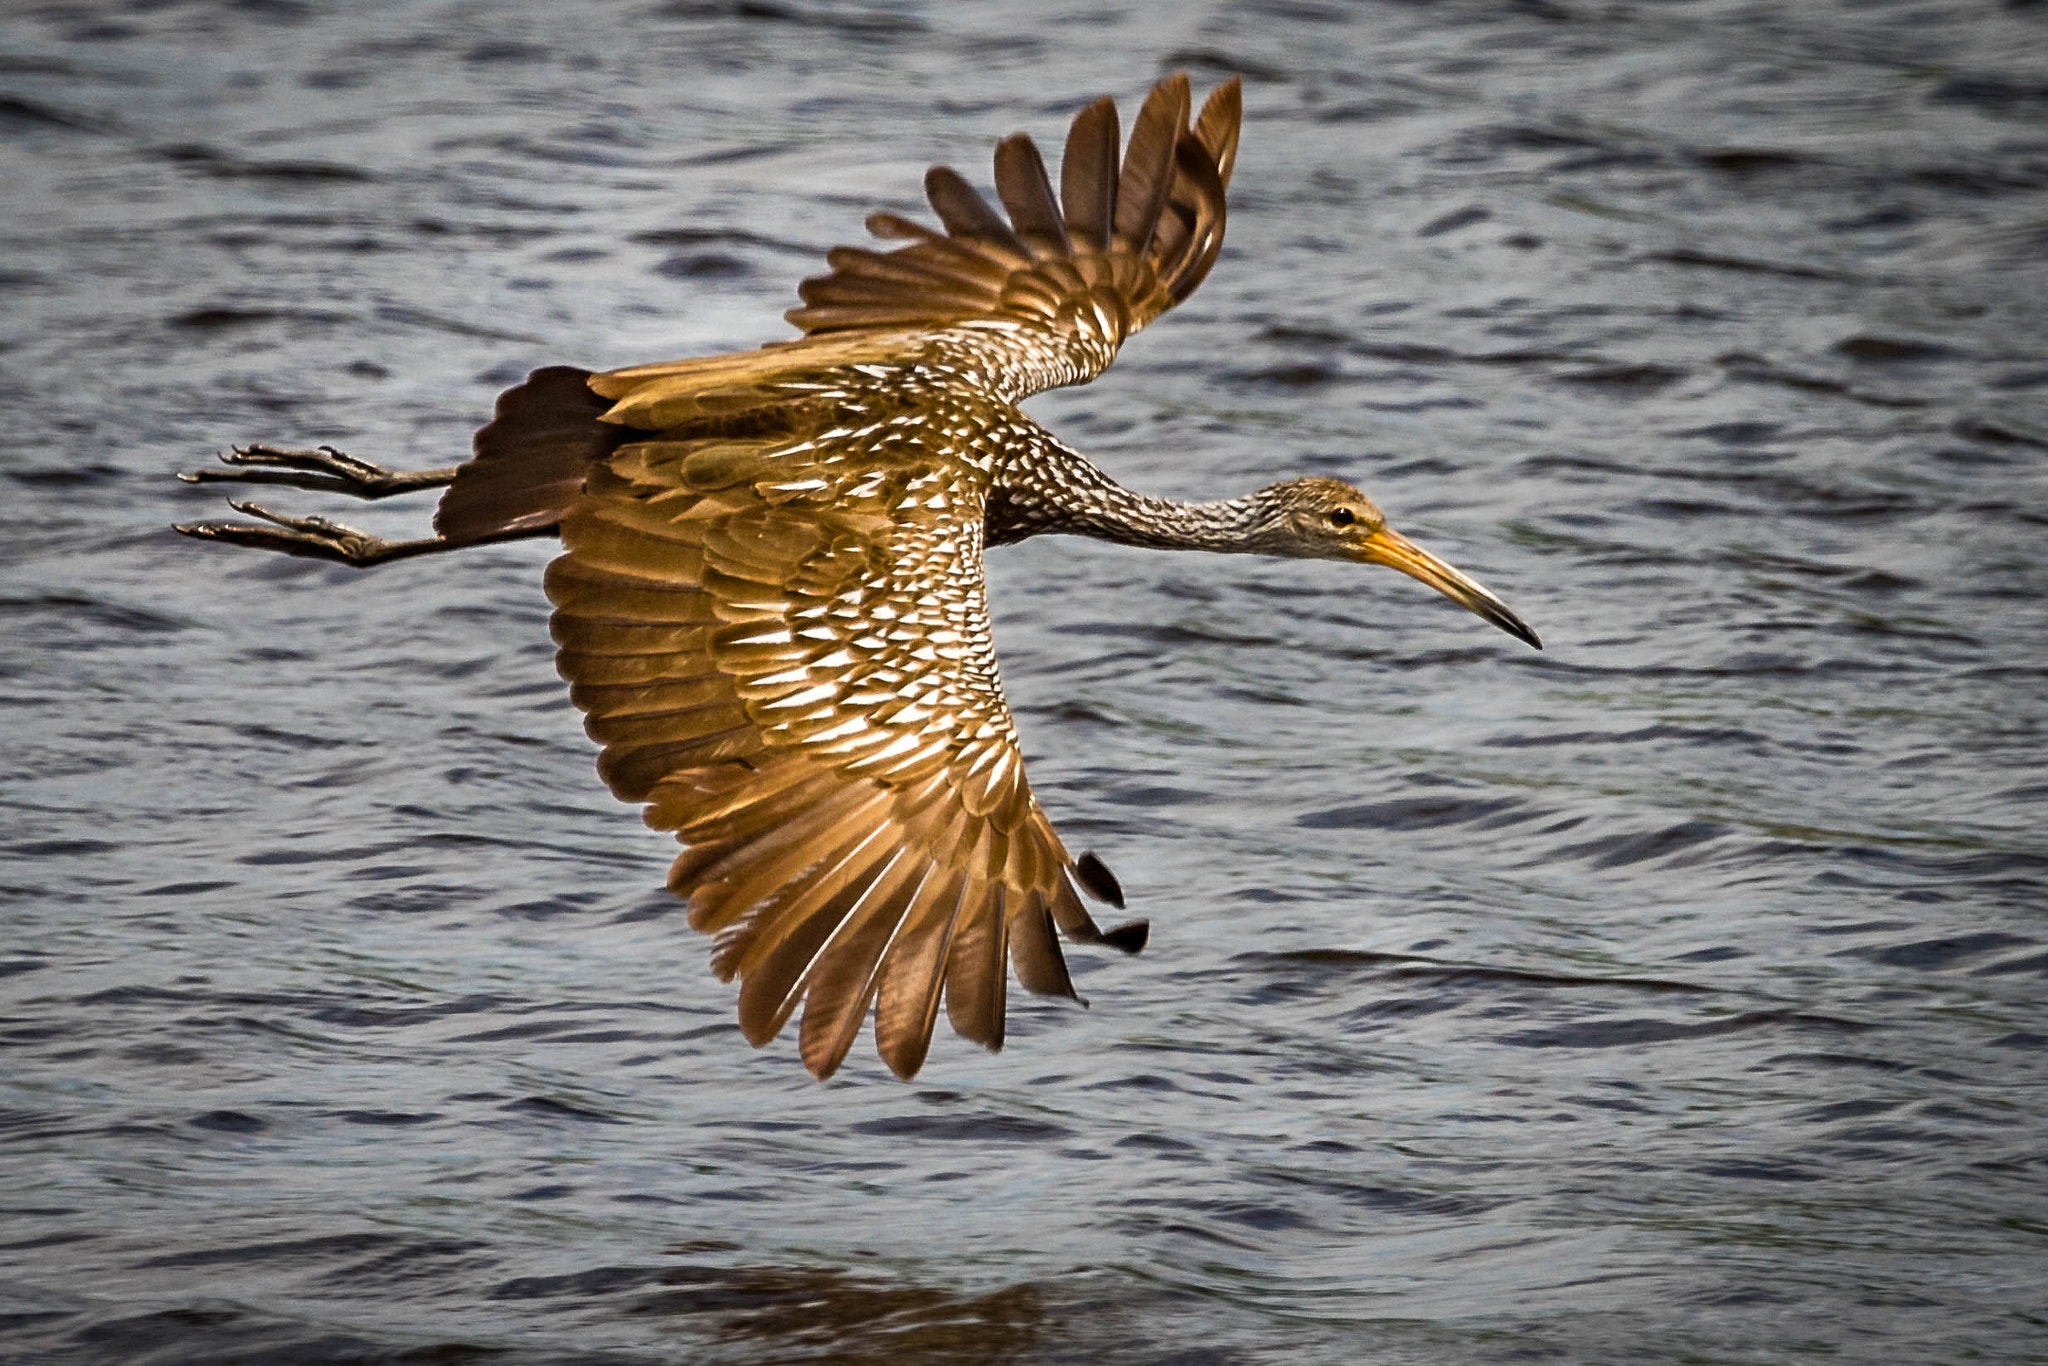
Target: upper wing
{"x": 1066, "y": 279}
{"x": 1011, "y": 308}
{"x": 782, "y": 642}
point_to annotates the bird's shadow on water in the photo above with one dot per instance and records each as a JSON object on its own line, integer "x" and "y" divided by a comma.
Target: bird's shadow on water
{"x": 840, "y": 1316}
{"x": 748, "y": 1312}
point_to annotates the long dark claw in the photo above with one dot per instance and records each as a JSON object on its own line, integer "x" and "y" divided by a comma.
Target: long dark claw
{"x": 313, "y": 537}
{"x": 318, "y": 526}
{"x": 322, "y": 467}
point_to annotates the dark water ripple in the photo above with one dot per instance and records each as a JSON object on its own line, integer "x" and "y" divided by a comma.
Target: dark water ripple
{"x": 1672, "y": 995}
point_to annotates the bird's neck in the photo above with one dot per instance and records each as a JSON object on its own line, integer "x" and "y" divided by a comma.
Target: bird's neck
{"x": 1060, "y": 491}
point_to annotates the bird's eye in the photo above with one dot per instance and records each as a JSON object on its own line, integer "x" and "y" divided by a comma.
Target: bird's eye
{"x": 1342, "y": 517}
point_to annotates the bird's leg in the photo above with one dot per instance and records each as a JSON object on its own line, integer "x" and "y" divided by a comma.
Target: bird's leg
{"x": 322, "y": 468}
{"x": 314, "y": 537}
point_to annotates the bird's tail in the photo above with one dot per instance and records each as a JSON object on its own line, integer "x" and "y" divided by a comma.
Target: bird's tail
{"x": 530, "y": 459}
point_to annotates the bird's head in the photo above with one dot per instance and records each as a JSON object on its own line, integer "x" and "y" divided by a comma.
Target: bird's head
{"x": 1319, "y": 518}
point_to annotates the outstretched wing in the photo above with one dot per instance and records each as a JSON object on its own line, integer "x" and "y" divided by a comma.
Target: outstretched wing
{"x": 1062, "y": 283}
{"x": 1042, "y": 300}
{"x": 781, "y": 640}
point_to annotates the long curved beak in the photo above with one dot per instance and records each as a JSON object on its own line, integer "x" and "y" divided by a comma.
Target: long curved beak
{"x": 1389, "y": 547}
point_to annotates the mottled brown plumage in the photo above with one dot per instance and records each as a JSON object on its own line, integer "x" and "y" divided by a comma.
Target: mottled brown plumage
{"x": 771, "y": 608}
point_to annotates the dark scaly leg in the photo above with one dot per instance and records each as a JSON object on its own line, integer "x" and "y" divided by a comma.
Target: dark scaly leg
{"x": 330, "y": 471}
{"x": 528, "y": 466}
{"x": 314, "y": 537}
{"x": 323, "y": 468}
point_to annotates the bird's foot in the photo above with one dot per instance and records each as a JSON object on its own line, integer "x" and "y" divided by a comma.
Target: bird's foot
{"x": 322, "y": 467}
{"x": 314, "y": 537}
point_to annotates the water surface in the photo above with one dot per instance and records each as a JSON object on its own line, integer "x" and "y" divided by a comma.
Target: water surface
{"x": 1671, "y": 995}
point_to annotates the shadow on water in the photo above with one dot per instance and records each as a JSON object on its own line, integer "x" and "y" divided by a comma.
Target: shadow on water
{"x": 830, "y": 1313}
{"x": 709, "y": 1313}
{"x": 1671, "y": 995}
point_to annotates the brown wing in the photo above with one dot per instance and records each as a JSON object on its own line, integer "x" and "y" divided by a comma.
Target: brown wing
{"x": 1041, "y": 300}
{"x": 781, "y": 640}
{"x": 1060, "y": 285}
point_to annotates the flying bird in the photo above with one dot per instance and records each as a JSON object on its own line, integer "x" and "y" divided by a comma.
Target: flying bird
{"x": 770, "y": 603}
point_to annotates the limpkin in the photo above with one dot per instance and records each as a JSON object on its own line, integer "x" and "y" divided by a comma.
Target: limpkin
{"x": 770, "y": 602}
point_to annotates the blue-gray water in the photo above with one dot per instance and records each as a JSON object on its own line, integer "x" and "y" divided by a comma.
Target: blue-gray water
{"x": 1674, "y": 995}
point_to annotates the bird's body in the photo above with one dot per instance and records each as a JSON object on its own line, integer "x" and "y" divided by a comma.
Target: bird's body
{"x": 771, "y": 604}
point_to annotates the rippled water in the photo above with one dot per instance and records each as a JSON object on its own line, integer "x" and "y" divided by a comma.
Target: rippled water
{"x": 1672, "y": 995}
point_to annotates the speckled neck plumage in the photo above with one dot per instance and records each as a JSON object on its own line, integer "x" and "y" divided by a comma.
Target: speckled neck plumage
{"x": 1045, "y": 487}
